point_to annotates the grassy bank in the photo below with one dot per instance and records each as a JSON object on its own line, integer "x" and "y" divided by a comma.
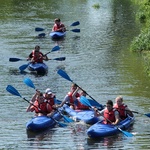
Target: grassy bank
{"x": 141, "y": 43}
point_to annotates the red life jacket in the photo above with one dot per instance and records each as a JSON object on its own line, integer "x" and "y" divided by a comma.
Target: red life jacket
{"x": 43, "y": 108}
{"x": 110, "y": 115}
{"x": 79, "y": 105}
{"x": 121, "y": 110}
{"x": 38, "y": 59}
{"x": 51, "y": 101}
{"x": 71, "y": 98}
{"x": 57, "y": 27}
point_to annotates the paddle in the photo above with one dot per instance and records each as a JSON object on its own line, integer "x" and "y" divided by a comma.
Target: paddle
{"x": 16, "y": 59}
{"x": 55, "y": 48}
{"x": 59, "y": 59}
{"x": 65, "y": 76}
{"x": 13, "y": 91}
{"x": 42, "y": 29}
{"x": 85, "y": 101}
{"x": 148, "y": 114}
{"x": 29, "y": 83}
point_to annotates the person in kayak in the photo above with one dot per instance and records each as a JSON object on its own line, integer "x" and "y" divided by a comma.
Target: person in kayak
{"x": 40, "y": 105}
{"x": 36, "y": 56}
{"x": 111, "y": 115}
{"x": 123, "y": 109}
{"x": 69, "y": 100}
{"x": 78, "y": 104}
{"x": 50, "y": 97}
{"x": 58, "y": 26}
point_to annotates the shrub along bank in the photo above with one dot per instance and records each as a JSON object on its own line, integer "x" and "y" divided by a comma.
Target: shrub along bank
{"x": 142, "y": 42}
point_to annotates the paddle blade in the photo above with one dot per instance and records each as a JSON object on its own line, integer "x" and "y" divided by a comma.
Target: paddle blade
{"x": 60, "y": 59}
{"x": 29, "y": 83}
{"x": 61, "y": 124}
{"x": 12, "y": 90}
{"x": 66, "y": 119}
{"x": 85, "y": 101}
{"x": 75, "y": 23}
{"x": 14, "y": 59}
{"x": 64, "y": 75}
{"x": 55, "y": 48}
{"x": 128, "y": 134}
{"x": 75, "y": 30}
{"x": 23, "y": 67}
{"x": 148, "y": 115}
{"x": 42, "y": 35}
{"x": 39, "y": 29}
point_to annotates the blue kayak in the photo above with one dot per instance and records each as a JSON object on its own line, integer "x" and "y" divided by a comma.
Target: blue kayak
{"x": 57, "y": 35}
{"x": 99, "y": 129}
{"x": 40, "y": 68}
{"x": 41, "y": 123}
{"x": 86, "y": 116}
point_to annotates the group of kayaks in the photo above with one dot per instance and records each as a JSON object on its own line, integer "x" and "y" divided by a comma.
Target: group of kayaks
{"x": 40, "y": 123}
{"x": 96, "y": 130}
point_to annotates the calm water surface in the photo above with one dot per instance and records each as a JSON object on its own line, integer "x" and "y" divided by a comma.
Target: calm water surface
{"x": 97, "y": 59}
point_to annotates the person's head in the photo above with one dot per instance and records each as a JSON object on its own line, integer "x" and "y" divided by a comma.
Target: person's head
{"x": 119, "y": 100}
{"x": 57, "y": 21}
{"x": 48, "y": 93}
{"x": 41, "y": 98}
{"x": 109, "y": 105}
{"x": 37, "y": 48}
{"x": 73, "y": 87}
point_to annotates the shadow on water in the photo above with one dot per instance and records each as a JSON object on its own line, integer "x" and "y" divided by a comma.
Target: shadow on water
{"x": 39, "y": 136}
{"x": 105, "y": 141}
{"x": 13, "y": 71}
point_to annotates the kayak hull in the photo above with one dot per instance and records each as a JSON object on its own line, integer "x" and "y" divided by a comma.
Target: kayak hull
{"x": 99, "y": 129}
{"x": 40, "y": 68}
{"x": 41, "y": 123}
{"x": 57, "y": 35}
{"x": 86, "y": 116}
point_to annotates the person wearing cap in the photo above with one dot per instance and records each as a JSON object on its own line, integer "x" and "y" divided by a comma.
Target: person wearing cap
{"x": 58, "y": 26}
{"x": 50, "y": 97}
{"x": 36, "y": 56}
{"x": 39, "y": 105}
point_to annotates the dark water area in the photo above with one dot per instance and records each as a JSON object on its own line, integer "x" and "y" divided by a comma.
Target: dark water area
{"x": 97, "y": 59}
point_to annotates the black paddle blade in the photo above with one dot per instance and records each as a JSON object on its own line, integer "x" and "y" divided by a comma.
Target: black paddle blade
{"x": 148, "y": 115}
{"x": 60, "y": 59}
{"x": 75, "y": 23}
{"x": 75, "y": 30}
{"x": 42, "y": 35}
{"x": 39, "y": 29}
{"x": 14, "y": 59}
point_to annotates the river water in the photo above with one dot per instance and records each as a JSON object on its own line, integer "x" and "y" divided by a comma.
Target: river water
{"x": 97, "y": 59}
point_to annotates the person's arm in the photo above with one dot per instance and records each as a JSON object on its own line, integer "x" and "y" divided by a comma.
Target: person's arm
{"x": 74, "y": 94}
{"x": 63, "y": 102}
{"x": 45, "y": 58}
{"x": 117, "y": 118}
{"x": 98, "y": 113}
{"x": 30, "y": 56}
{"x": 33, "y": 99}
{"x": 129, "y": 112}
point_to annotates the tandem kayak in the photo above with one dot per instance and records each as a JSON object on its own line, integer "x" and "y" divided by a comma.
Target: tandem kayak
{"x": 86, "y": 116}
{"x": 41, "y": 123}
{"x": 40, "y": 68}
{"x": 57, "y": 35}
{"x": 99, "y": 129}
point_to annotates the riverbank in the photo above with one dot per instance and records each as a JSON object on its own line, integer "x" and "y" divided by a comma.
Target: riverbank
{"x": 142, "y": 42}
